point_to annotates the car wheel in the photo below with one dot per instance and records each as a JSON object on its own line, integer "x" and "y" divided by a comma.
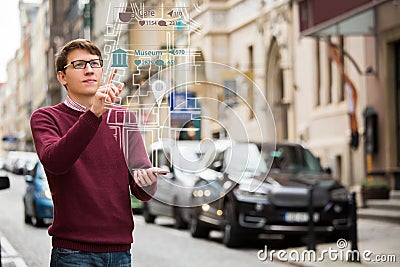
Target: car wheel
{"x": 231, "y": 229}
{"x": 37, "y": 221}
{"x": 180, "y": 223}
{"x": 197, "y": 229}
{"x": 337, "y": 234}
{"x": 28, "y": 218}
{"x": 148, "y": 217}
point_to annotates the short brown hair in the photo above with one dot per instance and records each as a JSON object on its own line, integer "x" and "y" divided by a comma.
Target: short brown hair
{"x": 62, "y": 54}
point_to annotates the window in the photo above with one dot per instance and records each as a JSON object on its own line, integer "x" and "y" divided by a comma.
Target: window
{"x": 250, "y": 74}
{"x": 342, "y": 81}
{"x": 292, "y": 159}
{"x": 251, "y": 60}
{"x": 329, "y": 73}
{"x": 318, "y": 72}
{"x": 40, "y": 173}
{"x": 329, "y": 81}
{"x": 159, "y": 158}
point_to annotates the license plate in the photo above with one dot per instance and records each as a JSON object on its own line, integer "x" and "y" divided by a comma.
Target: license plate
{"x": 300, "y": 217}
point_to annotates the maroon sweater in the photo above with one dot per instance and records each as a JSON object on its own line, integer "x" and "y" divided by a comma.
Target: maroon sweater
{"x": 89, "y": 178}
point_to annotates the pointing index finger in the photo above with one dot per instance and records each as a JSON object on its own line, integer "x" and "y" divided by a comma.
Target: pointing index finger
{"x": 111, "y": 77}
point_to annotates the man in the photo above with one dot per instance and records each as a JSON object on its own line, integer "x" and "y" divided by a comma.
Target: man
{"x": 85, "y": 166}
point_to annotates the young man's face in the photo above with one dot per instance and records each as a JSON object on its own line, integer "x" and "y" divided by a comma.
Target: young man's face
{"x": 81, "y": 82}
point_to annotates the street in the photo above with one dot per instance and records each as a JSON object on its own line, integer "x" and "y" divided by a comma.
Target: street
{"x": 272, "y": 77}
{"x": 155, "y": 244}
{"x": 32, "y": 244}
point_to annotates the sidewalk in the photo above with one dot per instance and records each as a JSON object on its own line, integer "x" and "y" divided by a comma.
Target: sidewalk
{"x": 378, "y": 245}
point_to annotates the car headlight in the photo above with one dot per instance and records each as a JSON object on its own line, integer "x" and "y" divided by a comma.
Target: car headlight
{"x": 339, "y": 194}
{"x": 246, "y": 191}
{"x": 201, "y": 193}
{"x": 46, "y": 194}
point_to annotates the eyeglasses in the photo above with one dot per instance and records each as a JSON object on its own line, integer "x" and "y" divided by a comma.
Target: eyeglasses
{"x": 81, "y": 64}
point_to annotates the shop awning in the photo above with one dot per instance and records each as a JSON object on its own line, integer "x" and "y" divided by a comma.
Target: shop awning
{"x": 337, "y": 17}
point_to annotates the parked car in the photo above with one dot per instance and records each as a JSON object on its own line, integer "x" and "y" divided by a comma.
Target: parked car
{"x": 186, "y": 161}
{"x": 12, "y": 157}
{"x": 38, "y": 204}
{"x": 31, "y": 159}
{"x": 2, "y": 162}
{"x": 268, "y": 192}
{"x": 25, "y": 162}
{"x": 20, "y": 162}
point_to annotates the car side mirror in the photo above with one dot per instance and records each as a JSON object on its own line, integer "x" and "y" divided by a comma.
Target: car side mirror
{"x": 4, "y": 182}
{"x": 217, "y": 165}
{"x": 328, "y": 170}
{"x": 28, "y": 178}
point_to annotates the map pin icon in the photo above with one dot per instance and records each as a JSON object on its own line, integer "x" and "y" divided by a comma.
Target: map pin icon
{"x": 159, "y": 89}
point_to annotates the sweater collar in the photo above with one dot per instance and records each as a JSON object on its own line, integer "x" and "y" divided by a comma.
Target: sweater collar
{"x": 69, "y": 102}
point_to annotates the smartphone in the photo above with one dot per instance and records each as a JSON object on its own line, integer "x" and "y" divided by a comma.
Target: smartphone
{"x": 159, "y": 172}
{"x": 162, "y": 172}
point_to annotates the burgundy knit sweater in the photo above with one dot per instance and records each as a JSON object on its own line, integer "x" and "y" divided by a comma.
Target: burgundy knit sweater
{"x": 89, "y": 178}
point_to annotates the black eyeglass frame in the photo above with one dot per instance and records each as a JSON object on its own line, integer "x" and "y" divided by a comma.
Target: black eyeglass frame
{"x": 86, "y": 62}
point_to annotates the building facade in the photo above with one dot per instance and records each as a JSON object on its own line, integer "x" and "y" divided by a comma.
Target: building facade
{"x": 32, "y": 80}
{"x": 279, "y": 74}
{"x": 368, "y": 32}
{"x": 305, "y": 88}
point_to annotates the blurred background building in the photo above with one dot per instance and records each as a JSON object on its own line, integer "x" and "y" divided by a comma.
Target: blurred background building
{"x": 283, "y": 46}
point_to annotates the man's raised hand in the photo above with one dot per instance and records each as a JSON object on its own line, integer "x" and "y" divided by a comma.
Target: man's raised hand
{"x": 106, "y": 94}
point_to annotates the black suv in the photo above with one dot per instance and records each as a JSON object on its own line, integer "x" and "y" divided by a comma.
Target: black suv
{"x": 268, "y": 192}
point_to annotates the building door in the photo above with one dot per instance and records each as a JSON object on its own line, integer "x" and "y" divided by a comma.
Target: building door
{"x": 397, "y": 105}
{"x": 397, "y": 98}
{"x": 275, "y": 92}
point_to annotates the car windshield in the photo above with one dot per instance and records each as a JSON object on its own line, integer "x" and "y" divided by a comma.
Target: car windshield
{"x": 292, "y": 159}
{"x": 244, "y": 158}
{"x": 191, "y": 158}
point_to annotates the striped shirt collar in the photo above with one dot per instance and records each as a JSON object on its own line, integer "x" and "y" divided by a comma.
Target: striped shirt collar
{"x": 74, "y": 105}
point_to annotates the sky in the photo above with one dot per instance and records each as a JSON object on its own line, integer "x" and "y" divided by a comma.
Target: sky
{"x": 9, "y": 34}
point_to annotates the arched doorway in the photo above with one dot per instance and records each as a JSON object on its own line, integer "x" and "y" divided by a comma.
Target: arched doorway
{"x": 275, "y": 91}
